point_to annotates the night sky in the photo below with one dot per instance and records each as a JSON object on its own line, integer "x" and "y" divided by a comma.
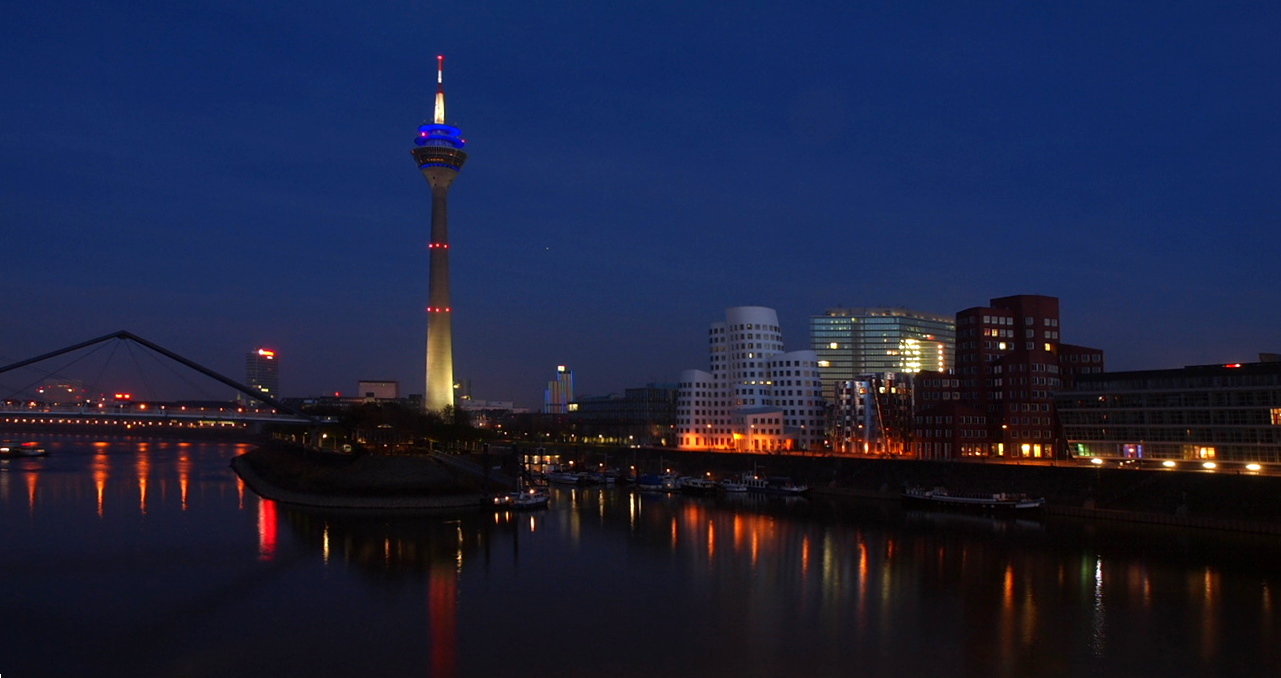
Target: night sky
{"x": 215, "y": 176}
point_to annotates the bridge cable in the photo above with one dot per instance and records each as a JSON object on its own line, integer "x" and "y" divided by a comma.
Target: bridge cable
{"x": 181, "y": 376}
{"x": 142, "y": 374}
{"x": 56, "y": 373}
{"x": 98, "y": 377}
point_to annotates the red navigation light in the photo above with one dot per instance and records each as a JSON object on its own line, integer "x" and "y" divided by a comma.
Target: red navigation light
{"x": 1233, "y": 365}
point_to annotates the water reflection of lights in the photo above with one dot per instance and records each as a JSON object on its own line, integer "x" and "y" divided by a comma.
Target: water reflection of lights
{"x": 184, "y": 473}
{"x": 1098, "y": 625}
{"x": 711, "y": 540}
{"x": 267, "y": 529}
{"x": 1210, "y": 632}
{"x": 143, "y": 469}
{"x": 31, "y": 492}
{"x": 101, "y": 465}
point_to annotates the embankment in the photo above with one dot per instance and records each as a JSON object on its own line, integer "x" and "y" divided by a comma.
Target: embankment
{"x": 329, "y": 480}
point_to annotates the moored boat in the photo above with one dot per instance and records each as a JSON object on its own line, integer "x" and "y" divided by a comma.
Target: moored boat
{"x": 731, "y": 485}
{"x": 565, "y": 478}
{"x": 940, "y": 497}
{"x": 530, "y": 498}
{"x": 774, "y": 485}
{"x": 10, "y": 448}
{"x": 695, "y": 485}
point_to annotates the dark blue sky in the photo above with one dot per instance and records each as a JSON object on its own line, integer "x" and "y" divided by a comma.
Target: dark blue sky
{"x": 218, "y": 175}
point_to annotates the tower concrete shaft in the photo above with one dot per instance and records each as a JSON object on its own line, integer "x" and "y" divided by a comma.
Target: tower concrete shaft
{"x": 439, "y": 156}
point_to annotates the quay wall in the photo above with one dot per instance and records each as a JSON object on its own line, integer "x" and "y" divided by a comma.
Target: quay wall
{"x": 1215, "y": 500}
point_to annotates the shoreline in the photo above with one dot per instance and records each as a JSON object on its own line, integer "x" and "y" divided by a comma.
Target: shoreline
{"x": 1109, "y": 515}
{"x": 304, "y": 479}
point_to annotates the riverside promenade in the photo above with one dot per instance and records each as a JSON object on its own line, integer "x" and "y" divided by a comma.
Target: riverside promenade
{"x": 1196, "y": 499}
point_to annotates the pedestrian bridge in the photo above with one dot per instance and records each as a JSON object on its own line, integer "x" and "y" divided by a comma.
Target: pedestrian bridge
{"x": 252, "y": 412}
{"x": 149, "y": 417}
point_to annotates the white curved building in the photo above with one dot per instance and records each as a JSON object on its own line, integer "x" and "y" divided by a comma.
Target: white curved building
{"x": 756, "y": 397}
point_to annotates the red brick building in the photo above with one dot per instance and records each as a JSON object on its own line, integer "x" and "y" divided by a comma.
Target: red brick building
{"x": 999, "y": 401}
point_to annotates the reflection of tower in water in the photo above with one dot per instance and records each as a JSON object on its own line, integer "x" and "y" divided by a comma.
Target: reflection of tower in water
{"x": 423, "y": 548}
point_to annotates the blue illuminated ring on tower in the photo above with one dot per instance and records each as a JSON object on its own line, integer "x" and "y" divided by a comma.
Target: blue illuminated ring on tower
{"x": 439, "y": 135}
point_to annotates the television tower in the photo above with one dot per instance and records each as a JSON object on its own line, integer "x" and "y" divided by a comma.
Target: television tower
{"x": 439, "y": 155}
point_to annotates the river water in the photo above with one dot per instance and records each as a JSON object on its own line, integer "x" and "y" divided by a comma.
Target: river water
{"x": 134, "y": 557}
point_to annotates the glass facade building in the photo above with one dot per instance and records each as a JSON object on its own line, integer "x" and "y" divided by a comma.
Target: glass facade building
{"x": 852, "y": 342}
{"x": 1216, "y": 413}
{"x": 262, "y": 371}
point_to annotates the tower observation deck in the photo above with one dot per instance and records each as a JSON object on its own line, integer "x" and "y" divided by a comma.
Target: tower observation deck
{"x": 439, "y": 155}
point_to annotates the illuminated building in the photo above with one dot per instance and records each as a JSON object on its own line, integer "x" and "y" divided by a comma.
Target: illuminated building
{"x": 641, "y": 416}
{"x": 756, "y": 397}
{"x": 262, "y": 371}
{"x": 55, "y": 391}
{"x": 853, "y": 342}
{"x": 378, "y": 390}
{"x": 1203, "y": 414}
{"x": 560, "y": 391}
{"x": 872, "y": 414}
{"x": 999, "y": 400}
{"x": 439, "y": 156}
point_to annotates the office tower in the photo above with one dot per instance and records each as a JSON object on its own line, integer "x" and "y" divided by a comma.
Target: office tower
{"x": 756, "y": 397}
{"x": 1195, "y": 418}
{"x": 560, "y": 392}
{"x": 854, "y": 342}
{"x": 999, "y": 401}
{"x": 439, "y": 155}
{"x": 262, "y": 372}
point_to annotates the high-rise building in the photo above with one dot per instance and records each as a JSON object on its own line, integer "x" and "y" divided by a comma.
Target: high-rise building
{"x": 262, "y": 372}
{"x": 560, "y": 391}
{"x": 756, "y": 397}
{"x": 999, "y": 401}
{"x": 439, "y": 156}
{"x": 854, "y": 342}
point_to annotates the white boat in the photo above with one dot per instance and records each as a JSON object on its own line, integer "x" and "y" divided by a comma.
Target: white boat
{"x": 565, "y": 478}
{"x": 525, "y": 497}
{"x": 530, "y": 498}
{"x": 731, "y": 485}
{"x": 940, "y": 497}
{"x": 694, "y": 485}
{"x": 774, "y": 485}
{"x": 10, "y": 448}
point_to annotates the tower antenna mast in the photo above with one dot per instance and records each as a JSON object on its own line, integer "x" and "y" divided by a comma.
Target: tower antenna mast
{"x": 440, "y": 90}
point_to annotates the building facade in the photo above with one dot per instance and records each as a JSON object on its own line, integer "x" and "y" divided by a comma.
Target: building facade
{"x": 371, "y": 389}
{"x": 999, "y": 399}
{"x": 641, "y": 416}
{"x": 755, "y": 396}
{"x": 873, "y": 414}
{"x": 262, "y": 371}
{"x": 1205, "y": 414}
{"x": 559, "y": 392}
{"x": 854, "y": 342}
